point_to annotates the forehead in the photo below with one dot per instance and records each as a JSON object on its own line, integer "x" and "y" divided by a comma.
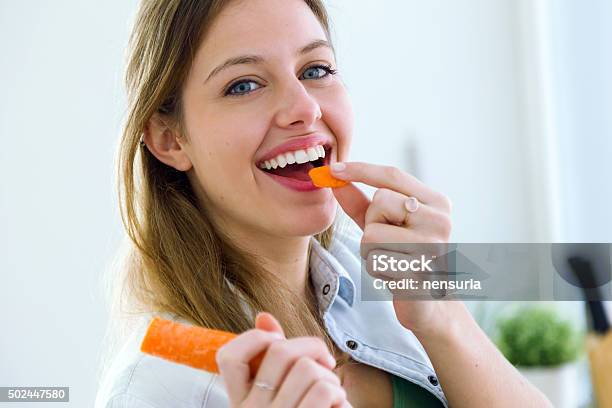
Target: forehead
{"x": 266, "y": 27}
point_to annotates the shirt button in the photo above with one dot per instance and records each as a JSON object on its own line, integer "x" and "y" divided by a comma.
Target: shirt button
{"x": 352, "y": 344}
{"x": 433, "y": 380}
{"x": 326, "y": 289}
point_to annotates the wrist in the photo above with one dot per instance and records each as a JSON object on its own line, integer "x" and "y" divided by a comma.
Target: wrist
{"x": 453, "y": 320}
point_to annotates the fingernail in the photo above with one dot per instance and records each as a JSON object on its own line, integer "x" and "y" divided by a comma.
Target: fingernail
{"x": 332, "y": 361}
{"x": 338, "y": 167}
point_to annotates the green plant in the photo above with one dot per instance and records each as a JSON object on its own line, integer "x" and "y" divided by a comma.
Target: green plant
{"x": 537, "y": 336}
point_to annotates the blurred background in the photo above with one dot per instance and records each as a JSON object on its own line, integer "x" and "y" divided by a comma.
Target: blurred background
{"x": 503, "y": 105}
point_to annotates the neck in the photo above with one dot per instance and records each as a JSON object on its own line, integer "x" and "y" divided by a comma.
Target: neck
{"x": 286, "y": 257}
{"x": 289, "y": 260}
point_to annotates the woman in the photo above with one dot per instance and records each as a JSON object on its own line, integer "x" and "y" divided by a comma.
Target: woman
{"x": 229, "y": 102}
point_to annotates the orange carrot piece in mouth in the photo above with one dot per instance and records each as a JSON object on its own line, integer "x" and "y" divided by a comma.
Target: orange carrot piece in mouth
{"x": 189, "y": 345}
{"x": 321, "y": 177}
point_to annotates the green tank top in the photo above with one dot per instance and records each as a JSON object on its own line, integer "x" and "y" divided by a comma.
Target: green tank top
{"x": 409, "y": 395}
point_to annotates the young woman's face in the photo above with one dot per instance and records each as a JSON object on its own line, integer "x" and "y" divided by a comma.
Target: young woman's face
{"x": 278, "y": 100}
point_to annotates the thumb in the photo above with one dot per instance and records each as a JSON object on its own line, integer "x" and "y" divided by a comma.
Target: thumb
{"x": 353, "y": 201}
{"x": 265, "y": 321}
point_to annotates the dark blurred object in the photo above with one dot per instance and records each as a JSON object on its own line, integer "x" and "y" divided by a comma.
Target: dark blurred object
{"x": 585, "y": 274}
{"x": 597, "y": 254}
{"x": 599, "y": 340}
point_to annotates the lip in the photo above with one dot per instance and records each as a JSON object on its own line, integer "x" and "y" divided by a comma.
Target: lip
{"x": 296, "y": 144}
{"x": 293, "y": 144}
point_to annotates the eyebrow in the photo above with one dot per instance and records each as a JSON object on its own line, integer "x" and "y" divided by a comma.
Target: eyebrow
{"x": 256, "y": 59}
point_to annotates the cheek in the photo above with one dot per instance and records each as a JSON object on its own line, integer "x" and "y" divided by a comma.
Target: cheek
{"x": 227, "y": 143}
{"x": 225, "y": 138}
{"x": 222, "y": 170}
{"x": 339, "y": 117}
{"x": 223, "y": 147}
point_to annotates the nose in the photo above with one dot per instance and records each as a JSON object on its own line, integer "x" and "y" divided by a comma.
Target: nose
{"x": 298, "y": 109}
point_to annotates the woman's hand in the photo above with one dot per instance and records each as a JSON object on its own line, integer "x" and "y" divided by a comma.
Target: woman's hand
{"x": 293, "y": 373}
{"x": 470, "y": 368}
{"x": 387, "y": 218}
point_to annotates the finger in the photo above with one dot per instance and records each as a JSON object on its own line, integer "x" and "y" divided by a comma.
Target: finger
{"x": 390, "y": 237}
{"x": 323, "y": 394}
{"x": 266, "y": 321}
{"x": 387, "y": 177}
{"x": 354, "y": 202}
{"x": 233, "y": 360}
{"x": 281, "y": 356}
{"x": 303, "y": 375}
{"x": 390, "y": 207}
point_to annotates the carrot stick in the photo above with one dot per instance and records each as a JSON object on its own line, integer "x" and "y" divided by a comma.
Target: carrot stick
{"x": 189, "y": 345}
{"x": 321, "y": 177}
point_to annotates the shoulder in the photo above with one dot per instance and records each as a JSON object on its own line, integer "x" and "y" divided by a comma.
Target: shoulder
{"x": 136, "y": 379}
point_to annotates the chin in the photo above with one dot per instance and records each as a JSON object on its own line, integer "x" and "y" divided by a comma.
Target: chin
{"x": 309, "y": 222}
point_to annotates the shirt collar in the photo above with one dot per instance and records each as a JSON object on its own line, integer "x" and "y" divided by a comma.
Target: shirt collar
{"x": 329, "y": 276}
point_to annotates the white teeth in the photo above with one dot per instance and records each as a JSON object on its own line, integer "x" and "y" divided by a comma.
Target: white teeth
{"x": 301, "y": 157}
{"x": 290, "y": 158}
{"x": 321, "y": 150}
{"x": 297, "y": 156}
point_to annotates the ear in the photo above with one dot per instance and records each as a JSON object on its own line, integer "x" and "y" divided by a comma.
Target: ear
{"x": 162, "y": 140}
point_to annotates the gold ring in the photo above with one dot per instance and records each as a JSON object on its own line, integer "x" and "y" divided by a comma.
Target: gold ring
{"x": 411, "y": 204}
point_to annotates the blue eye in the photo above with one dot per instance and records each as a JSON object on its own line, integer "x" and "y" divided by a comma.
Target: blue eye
{"x": 243, "y": 87}
{"x": 320, "y": 68}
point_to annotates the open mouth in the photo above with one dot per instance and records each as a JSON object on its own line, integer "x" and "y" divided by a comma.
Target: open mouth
{"x": 296, "y": 164}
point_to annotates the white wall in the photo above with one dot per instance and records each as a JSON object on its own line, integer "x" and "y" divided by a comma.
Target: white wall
{"x": 581, "y": 56}
{"x": 60, "y": 112}
{"x": 441, "y": 79}
{"x": 436, "y": 87}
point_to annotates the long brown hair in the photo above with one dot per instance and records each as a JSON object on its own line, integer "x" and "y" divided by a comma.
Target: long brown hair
{"x": 177, "y": 262}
